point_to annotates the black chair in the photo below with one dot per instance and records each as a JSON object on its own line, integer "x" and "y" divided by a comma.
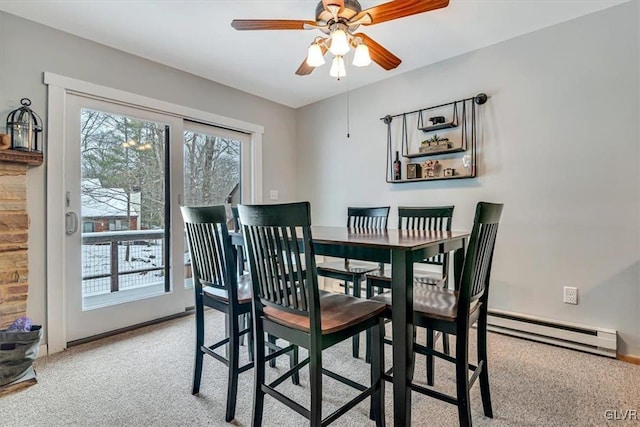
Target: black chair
{"x": 436, "y": 218}
{"x": 348, "y": 271}
{"x": 217, "y": 286}
{"x": 454, "y": 311}
{"x": 288, "y": 304}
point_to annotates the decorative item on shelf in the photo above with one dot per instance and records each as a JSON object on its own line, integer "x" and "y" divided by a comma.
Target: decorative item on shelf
{"x": 23, "y": 127}
{"x": 435, "y": 143}
{"x": 5, "y": 141}
{"x": 449, "y": 172}
{"x": 431, "y": 168}
{"x": 439, "y": 122}
{"x": 414, "y": 170}
{"x": 397, "y": 166}
{"x": 466, "y": 162}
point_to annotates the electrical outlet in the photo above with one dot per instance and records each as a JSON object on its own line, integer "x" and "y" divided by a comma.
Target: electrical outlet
{"x": 273, "y": 195}
{"x": 570, "y": 295}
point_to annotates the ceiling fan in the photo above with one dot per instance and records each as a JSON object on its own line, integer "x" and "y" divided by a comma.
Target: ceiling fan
{"x": 339, "y": 20}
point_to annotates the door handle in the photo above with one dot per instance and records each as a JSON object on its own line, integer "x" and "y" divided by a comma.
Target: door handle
{"x": 71, "y": 223}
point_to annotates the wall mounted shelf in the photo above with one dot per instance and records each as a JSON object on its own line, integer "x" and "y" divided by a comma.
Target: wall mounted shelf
{"x": 434, "y": 153}
{"x": 438, "y": 127}
{"x": 22, "y": 157}
{"x": 437, "y": 178}
{"x": 455, "y": 152}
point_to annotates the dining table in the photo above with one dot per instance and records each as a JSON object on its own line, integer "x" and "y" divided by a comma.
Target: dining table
{"x": 401, "y": 249}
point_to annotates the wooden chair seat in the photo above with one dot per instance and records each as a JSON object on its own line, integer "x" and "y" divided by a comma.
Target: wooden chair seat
{"x": 430, "y": 301}
{"x": 244, "y": 291}
{"x": 338, "y": 312}
{"x": 350, "y": 267}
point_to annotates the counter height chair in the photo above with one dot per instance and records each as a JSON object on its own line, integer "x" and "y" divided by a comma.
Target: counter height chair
{"x": 454, "y": 311}
{"x": 437, "y": 218}
{"x": 348, "y": 271}
{"x": 218, "y": 286}
{"x": 288, "y": 304}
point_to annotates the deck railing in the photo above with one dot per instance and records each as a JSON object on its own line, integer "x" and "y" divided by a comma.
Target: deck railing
{"x": 117, "y": 260}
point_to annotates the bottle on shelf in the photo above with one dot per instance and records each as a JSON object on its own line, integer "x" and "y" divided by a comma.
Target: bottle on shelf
{"x": 397, "y": 167}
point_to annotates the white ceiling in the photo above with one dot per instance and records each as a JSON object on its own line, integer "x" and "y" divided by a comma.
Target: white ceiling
{"x": 196, "y": 36}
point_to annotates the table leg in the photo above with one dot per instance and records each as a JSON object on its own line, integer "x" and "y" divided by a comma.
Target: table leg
{"x": 402, "y": 316}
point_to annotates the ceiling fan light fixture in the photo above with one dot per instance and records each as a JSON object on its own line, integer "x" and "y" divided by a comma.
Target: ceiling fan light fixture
{"x": 361, "y": 58}
{"x": 315, "y": 58}
{"x": 339, "y": 42}
{"x": 338, "y": 69}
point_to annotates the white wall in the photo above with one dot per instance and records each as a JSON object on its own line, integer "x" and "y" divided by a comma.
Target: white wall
{"x": 560, "y": 150}
{"x": 28, "y": 49}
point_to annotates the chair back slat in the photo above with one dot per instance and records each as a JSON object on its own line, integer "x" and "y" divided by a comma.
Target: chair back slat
{"x": 486, "y": 241}
{"x": 372, "y": 218}
{"x": 278, "y": 238}
{"x": 436, "y": 218}
{"x": 477, "y": 263}
{"x": 212, "y": 256}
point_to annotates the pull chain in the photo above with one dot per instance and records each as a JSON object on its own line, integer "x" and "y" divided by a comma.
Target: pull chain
{"x": 348, "y": 110}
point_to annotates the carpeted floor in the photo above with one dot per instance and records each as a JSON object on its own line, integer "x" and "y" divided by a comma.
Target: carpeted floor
{"x": 143, "y": 378}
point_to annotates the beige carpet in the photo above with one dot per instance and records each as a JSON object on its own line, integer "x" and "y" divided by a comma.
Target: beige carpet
{"x": 143, "y": 378}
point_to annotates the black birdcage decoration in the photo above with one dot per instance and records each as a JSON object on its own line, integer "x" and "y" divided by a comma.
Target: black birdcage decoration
{"x": 23, "y": 126}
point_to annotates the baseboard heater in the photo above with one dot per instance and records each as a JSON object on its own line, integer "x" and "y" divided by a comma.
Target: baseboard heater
{"x": 564, "y": 334}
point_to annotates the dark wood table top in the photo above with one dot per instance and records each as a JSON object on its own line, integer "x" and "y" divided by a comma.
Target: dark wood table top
{"x": 379, "y": 239}
{"x": 383, "y": 239}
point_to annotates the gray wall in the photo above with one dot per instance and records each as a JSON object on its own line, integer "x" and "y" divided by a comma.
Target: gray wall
{"x": 28, "y": 49}
{"x": 560, "y": 148}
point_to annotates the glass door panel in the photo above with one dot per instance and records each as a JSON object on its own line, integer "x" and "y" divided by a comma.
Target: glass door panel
{"x": 123, "y": 186}
{"x": 118, "y": 253}
{"x": 213, "y": 159}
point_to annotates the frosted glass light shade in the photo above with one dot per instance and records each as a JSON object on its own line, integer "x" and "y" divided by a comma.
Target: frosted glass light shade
{"x": 315, "y": 58}
{"x": 361, "y": 58}
{"x": 339, "y": 43}
{"x": 337, "y": 68}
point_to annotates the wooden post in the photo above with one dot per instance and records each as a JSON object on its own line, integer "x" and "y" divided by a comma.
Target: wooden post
{"x": 115, "y": 286}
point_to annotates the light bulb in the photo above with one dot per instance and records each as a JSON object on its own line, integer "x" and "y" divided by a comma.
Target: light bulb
{"x": 315, "y": 58}
{"x": 337, "y": 68}
{"x": 361, "y": 58}
{"x": 339, "y": 42}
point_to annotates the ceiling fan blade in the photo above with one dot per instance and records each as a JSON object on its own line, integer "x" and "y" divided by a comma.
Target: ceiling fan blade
{"x": 399, "y": 9}
{"x": 379, "y": 54}
{"x": 339, "y": 3}
{"x": 270, "y": 24}
{"x": 304, "y": 69}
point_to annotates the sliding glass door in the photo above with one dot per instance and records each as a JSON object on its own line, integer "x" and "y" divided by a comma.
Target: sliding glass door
{"x": 119, "y": 166}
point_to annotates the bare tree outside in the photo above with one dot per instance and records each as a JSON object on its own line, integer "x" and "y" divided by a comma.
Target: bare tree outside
{"x": 212, "y": 168}
{"x": 128, "y": 154}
